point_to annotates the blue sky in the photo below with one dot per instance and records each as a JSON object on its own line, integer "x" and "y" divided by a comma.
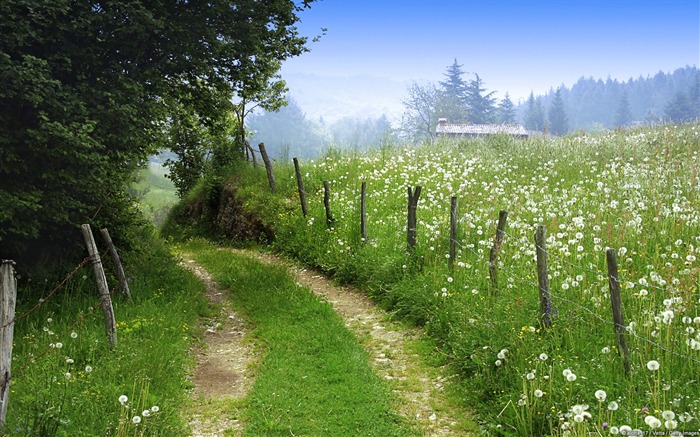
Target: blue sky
{"x": 514, "y": 46}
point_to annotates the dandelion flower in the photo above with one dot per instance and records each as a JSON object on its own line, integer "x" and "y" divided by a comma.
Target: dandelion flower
{"x": 88, "y": 369}
{"x": 73, "y": 334}
{"x": 538, "y": 393}
{"x": 668, "y": 415}
{"x": 571, "y": 377}
{"x": 653, "y": 365}
{"x": 136, "y": 420}
{"x": 155, "y": 409}
{"x": 123, "y": 399}
{"x": 59, "y": 345}
{"x": 670, "y": 424}
{"x": 498, "y": 363}
{"x": 600, "y": 395}
{"x": 146, "y": 413}
{"x": 543, "y": 357}
{"x": 614, "y": 430}
{"x": 613, "y": 406}
{"x": 67, "y": 375}
{"x": 530, "y": 376}
{"x": 566, "y": 372}
{"x": 652, "y": 421}
{"x": 578, "y": 418}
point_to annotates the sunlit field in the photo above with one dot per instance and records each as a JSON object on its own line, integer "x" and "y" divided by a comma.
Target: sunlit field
{"x": 634, "y": 191}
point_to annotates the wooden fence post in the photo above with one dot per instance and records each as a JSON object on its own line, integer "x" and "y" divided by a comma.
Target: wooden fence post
{"x": 8, "y": 298}
{"x": 453, "y": 232}
{"x": 496, "y": 249}
{"x": 412, "y": 219}
{"x": 616, "y": 302}
{"x": 300, "y": 187}
{"x": 327, "y": 204}
{"x": 268, "y": 167}
{"x": 363, "y": 212}
{"x": 103, "y": 289}
{"x": 543, "y": 276}
{"x": 123, "y": 283}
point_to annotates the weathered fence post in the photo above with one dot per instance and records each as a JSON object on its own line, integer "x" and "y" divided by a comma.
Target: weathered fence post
{"x": 496, "y": 249}
{"x": 103, "y": 289}
{"x": 412, "y": 220}
{"x": 453, "y": 232}
{"x": 543, "y": 276}
{"x": 363, "y": 212}
{"x": 327, "y": 204}
{"x": 8, "y": 298}
{"x": 616, "y": 301}
{"x": 300, "y": 187}
{"x": 268, "y": 167}
{"x": 123, "y": 283}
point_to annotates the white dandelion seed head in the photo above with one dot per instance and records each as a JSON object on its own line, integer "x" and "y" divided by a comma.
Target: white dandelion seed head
{"x": 601, "y": 395}
{"x": 543, "y": 356}
{"x": 653, "y": 365}
{"x": 613, "y": 406}
{"x": 155, "y": 409}
{"x": 123, "y": 399}
{"x": 136, "y": 420}
{"x": 571, "y": 377}
{"x": 538, "y": 393}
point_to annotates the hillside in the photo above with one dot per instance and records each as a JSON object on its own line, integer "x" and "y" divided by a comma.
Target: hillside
{"x": 635, "y": 192}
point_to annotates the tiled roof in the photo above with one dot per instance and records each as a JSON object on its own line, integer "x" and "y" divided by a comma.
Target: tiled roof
{"x": 480, "y": 129}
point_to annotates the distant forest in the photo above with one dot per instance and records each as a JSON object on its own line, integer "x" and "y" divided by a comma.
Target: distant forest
{"x": 590, "y": 105}
{"x": 593, "y": 104}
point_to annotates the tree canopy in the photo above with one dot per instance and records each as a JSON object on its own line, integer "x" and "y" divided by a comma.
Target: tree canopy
{"x": 89, "y": 89}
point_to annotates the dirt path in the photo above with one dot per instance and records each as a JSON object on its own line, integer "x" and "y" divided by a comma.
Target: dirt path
{"x": 418, "y": 387}
{"x": 223, "y": 374}
{"x": 224, "y": 365}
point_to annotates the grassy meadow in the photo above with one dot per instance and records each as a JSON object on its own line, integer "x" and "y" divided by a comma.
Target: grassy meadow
{"x": 635, "y": 191}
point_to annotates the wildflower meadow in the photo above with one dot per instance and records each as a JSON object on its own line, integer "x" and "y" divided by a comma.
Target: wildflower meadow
{"x": 635, "y": 191}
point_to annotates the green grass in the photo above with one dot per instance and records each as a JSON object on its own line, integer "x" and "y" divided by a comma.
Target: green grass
{"x": 636, "y": 191}
{"x": 74, "y": 390}
{"x": 314, "y": 378}
{"x": 155, "y": 193}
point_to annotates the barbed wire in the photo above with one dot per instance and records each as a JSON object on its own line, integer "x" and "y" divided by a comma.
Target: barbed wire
{"x": 45, "y": 299}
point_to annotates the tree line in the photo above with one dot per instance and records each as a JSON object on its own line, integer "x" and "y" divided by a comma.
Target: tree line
{"x": 589, "y": 104}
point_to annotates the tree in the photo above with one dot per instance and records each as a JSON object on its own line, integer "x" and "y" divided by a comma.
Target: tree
{"x": 623, "y": 115}
{"x": 481, "y": 105}
{"x": 534, "y": 114}
{"x": 506, "y": 111}
{"x": 679, "y": 108}
{"x": 558, "y": 120}
{"x": 454, "y": 89}
{"x": 421, "y": 111}
{"x": 90, "y": 89}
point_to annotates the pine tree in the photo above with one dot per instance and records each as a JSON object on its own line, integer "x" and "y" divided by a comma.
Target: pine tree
{"x": 506, "y": 111}
{"x": 558, "y": 120}
{"x": 623, "y": 115}
{"x": 679, "y": 109}
{"x": 534, "y": 114}
{"x": 453, "y": 92}
{"x": 481, "y": 106}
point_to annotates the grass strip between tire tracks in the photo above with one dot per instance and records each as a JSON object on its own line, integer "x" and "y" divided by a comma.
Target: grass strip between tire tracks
{"x": 314, "y": 379}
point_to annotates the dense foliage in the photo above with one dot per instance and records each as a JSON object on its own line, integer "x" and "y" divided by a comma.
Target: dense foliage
{"x": 90, "y": 88}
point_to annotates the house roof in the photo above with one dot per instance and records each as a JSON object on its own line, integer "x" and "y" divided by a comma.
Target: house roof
{"x": 480, "y": 129}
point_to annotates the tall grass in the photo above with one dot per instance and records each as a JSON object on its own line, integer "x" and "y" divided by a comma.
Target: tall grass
{"x": 635, "y": 191}
{"x": 67, "y": 380}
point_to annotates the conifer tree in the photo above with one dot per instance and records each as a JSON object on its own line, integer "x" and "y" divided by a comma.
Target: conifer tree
{"x": 558, "y": 120}
{"x": 506, "y": 111}
{"x": 481, "y": 105}
{"x": 623, "y": 115}
{"x": 534, "y": 114}
{"x": 453, "y": 93}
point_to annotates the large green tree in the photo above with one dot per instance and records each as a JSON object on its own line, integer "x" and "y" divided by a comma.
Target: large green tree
{"x": 89, "y": 90}
{"x": 506, "y": 111}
